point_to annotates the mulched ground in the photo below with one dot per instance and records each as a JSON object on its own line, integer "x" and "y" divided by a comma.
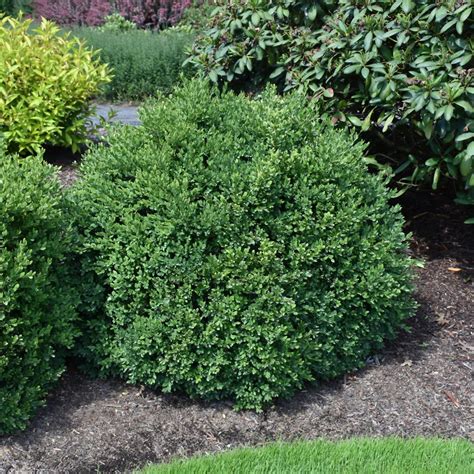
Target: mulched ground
{"x": 420, "y": 385}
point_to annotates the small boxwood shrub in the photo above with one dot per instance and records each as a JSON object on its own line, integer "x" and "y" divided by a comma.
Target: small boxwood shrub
{"x": 402, "y": 70}
{"x": 37, "y": 306}
{"x": 143, "y": 62}
{"x": 46, "y": 82}
{"x": 236, "y": 248}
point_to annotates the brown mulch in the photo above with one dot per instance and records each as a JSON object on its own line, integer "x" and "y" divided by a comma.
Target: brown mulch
{"x": 422, "y": 384}
{"x": 66, "y": 162}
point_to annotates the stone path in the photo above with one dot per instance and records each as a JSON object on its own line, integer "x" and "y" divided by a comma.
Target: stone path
{"x": 126, "y": 114}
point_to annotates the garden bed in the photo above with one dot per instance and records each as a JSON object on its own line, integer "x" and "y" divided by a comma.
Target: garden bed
{"x": 420, "y": 385}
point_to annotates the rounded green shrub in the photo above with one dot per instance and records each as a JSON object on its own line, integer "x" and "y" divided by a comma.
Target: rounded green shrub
{"x": 46, "y": 82}
{"x": 37, "y": 305}
{"x": 236, "y": 248}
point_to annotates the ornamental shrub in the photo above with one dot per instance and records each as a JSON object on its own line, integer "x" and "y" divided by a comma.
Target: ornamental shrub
{"x": 46, "y": 82}
{"x": 144, "y": 13}
{"x": 37, "y": 305}
{"x": 117, "y": 23}
{"x": 143, "y": 62}
{"x": 401, "y": 69}
{"x": 235, "y": 248}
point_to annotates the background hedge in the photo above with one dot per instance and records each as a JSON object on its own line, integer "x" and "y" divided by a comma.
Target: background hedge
{"x": 143, "y": 63}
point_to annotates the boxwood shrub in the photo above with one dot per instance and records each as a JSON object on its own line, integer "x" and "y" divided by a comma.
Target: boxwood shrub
{"x": 236, "y": 248}
{"x": 37, "y": 305}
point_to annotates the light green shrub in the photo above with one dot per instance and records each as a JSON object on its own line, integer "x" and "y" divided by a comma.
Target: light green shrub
{"x": 46, "y": 82}
{"x": 117, "y": 23}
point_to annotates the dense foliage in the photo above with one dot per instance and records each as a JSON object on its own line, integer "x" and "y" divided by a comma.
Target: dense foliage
{"x": 13, "y": 7}
{"x": 143, "y": 62}
{"x": 37, "y": 306}
{"x": 46, "y": 82}
{"x": 144, "y": 13}
{"x": 117, "y": 23}
{"x": 235, "y": 248}
{"x": 197, "y": 16}
{"x": 401, "y": 69}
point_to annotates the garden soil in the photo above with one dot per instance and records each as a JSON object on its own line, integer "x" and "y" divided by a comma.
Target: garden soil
{"x": 420, "y": 385}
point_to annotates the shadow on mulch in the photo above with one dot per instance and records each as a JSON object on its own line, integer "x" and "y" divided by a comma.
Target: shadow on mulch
{"x": 421, "y": 384}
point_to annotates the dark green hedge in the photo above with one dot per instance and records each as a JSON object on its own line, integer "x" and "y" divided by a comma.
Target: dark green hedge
{"x": 37, "y": 302}
{"x": 236, "y": 248}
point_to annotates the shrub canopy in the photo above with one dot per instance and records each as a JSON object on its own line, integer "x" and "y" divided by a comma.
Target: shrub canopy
{"x": 37, "y": 303}
{"x": 401, "y": 69}
{"x": 236, "y": 248}
{"x": 46, "y": 82}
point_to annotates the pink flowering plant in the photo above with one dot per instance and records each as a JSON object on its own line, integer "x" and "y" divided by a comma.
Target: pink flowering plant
{"x": 144, "y": 13}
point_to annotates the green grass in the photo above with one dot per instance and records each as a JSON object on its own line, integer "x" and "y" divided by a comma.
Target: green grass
{"x": 365, "y": 456}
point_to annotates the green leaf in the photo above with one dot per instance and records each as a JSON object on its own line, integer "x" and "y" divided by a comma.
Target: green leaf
{"x": 470, "y": 150}
{"x": 448, "y": 112}
{"x": 436, "y": 177}
{"x": 427, "y": 127}
{"x": 328, "y": 92}
{"x": 441, "y": 13}
{"x": 465, "y": 105}
{"x": 388, "y": 122}
{"x": 355, "y": 120}
{"x": 312, "y": 13}
{"x": 277, "y": 72}
{"x": 466, "y": 14}
{"x": 213, "y": 76}
{"x": 448, "y": 25}
{"x": 466, "y": 166}
{"x": 367, "y": 122}
{"x": 407, "y": 6}
{"x": 255, "y": 19}
{"x": 402, "y": 167}
{"x": 368, "y": 41}
{"x": 465, "y": 136}
{"x": 432, "y": 162}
